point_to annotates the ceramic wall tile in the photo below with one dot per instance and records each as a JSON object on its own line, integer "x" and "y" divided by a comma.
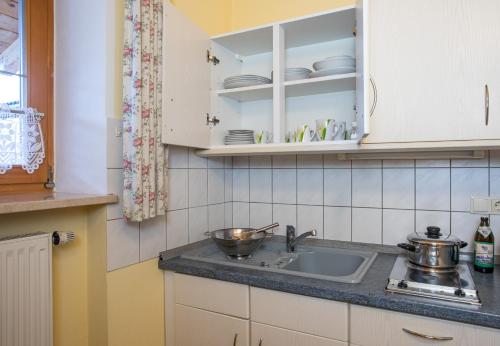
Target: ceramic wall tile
{"x": 432, "y": 163}
{"x": 337, "y": 223}
{"x": 310, "y": 186}
{"x": 241, "y": 214}
{"x": 122, "y": 243}
{"x": 367, "y": 225}
{"x": 472, "y": 163}
{"x": 285, "y": 186}
{"x": 178, "y": 188}
{"x": 308, "y": 218}
{"x": 433, "y": 189}
{"x": 241, "y": 162}
{"x": 367, "y": 188}
{"x": 399, "y": 188}
{"x": 332, "y": 161}
{"x": 337, "y": 187}
{"x": 309, "y": 161}
{"x": 425, "y": 218}
{"x": 398, "y": 163}
{"x": 216, "y": 181}
{"x": 216, "y": 162}
{"x": 228, "y": 214}
{"x": 178, "y": 157}
{"x": 261, "y": 162}
{"x": 284, "y": 214}
{"x": 177, "y": 228}
{"x": 397, "y": 224}
{"x": 261, "y": 185}
{"x": 495, "y": 182}
{"x": 216, "y": 217}
{"x": 198, "y": 192}
{"x": 261, "y": 214}
{"x": 284, "y": 161}
{"x": 467, "y": 182}
{"x": 153, "y": 238}
{"x": 198, "y": 223}
{"x": 241, "y": 185}
{"x": 464, "y": 226}
{"x": 367, "y": 164}
{"x": 494, "y": 158}
{"x": 195, "y": 161}
{"x": 228, "y": 185}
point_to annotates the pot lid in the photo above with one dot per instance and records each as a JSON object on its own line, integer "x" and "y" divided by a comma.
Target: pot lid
{"x": 433, "y": 236}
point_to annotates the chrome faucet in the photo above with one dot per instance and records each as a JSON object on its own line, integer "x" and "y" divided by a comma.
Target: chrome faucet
{"x": 291, "y": 239}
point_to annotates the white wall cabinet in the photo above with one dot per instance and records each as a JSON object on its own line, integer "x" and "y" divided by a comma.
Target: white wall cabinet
{"x": 430, "y": 62}
{"x": 193, "y": 85}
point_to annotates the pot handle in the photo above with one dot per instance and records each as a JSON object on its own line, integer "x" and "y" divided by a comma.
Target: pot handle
{"x": 407, "y": 247}
{"x": 462, "y": 244}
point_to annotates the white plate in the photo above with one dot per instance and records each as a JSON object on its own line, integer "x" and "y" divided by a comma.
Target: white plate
{"x": 334, "y": 62}
{"x": 337, "y": 70}
{"x": 243, "y": 84}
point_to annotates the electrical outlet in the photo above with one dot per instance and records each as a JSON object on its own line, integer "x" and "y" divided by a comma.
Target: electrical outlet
{"x": 118, "y": 132}
{"x": 480, "y": 205}
{"x": 495, "y": 206}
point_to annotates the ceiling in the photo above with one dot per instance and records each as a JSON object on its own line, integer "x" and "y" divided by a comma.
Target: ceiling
{"x": 9, "y": 28}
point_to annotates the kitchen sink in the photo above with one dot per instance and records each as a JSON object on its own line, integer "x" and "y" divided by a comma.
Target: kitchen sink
{"x": 334, "y": 264}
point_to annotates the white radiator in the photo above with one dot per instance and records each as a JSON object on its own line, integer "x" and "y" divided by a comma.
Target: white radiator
{"x": 26, "y": 290}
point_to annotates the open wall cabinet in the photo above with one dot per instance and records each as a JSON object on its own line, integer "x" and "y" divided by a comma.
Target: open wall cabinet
{"x": 195, "y": 67}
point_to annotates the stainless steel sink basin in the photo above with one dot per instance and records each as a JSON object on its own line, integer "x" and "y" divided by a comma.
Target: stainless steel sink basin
{"x": 331, "y": 263}
{"x": 334, "y": 264}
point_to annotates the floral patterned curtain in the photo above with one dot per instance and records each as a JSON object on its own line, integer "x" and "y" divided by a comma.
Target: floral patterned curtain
{"x": 144, "y": 156}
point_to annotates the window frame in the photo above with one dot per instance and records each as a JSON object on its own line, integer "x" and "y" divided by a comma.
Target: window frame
{"x": 39, "y": 33}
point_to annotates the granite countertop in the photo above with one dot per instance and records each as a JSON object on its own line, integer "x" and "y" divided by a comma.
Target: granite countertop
{"x": 370, "y": 292}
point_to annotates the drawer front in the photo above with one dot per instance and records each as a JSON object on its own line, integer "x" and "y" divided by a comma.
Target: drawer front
{"x": 300, "y": 313}
{"x": 371, "y": 326}
{"x": 195, "y": 327}
{"x": 213, "y": 295}
{"x": 264, "y": 335}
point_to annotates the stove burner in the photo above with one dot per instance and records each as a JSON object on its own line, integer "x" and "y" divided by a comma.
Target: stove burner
{"x": 452, "y": 284}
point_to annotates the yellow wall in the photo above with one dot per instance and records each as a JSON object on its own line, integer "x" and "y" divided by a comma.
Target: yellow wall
{"x": 213, "y": 16}
{"x": 136, "y": 305}
{"x": 69, "y": 268}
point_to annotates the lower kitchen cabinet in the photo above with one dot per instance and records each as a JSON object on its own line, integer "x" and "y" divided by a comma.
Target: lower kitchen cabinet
{"x": 199, "y": 327}
{"x": 264, "y": 335}
{"x": 376, "y": 327}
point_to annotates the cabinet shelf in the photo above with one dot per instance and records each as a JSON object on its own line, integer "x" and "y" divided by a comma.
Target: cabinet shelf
{"x": 321, "y": 85}
{"x": 251, "y": 93}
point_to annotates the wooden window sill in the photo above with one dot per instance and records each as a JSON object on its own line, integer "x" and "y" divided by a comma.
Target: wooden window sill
{"x": 33, "y": 201}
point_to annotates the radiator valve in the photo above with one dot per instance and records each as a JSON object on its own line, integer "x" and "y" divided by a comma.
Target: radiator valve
{"x": 61, "y": 238}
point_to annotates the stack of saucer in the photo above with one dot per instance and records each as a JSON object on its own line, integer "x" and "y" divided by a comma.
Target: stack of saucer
{"x": 239, "y": 137}
{"x": 245, "y": 80}
{"x": 295, "y": 73}
{"x": 334, "y": 65}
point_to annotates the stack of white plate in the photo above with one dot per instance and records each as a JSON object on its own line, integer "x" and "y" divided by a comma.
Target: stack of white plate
{"x": 245, "y": 80}
{"x": 239, "y": 137}
{"x": 295, "y": 73}
{"x": 334, "y": 65}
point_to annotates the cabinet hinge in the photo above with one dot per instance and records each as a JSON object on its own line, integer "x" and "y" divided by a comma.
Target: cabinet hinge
{"x": 354, "y": 30}
{"x": 49, "y": 184}
{"x": 212, "y": 58}
{"x": 212, "y": 120}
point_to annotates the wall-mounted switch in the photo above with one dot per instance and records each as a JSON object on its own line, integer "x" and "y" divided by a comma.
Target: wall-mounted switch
{"x": 118, "y": 132}
{"x": 480, "y": 205}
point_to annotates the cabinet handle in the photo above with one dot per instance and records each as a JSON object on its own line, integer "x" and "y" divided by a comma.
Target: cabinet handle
{"x": 260, "y": 342}
{"x": 431, "y": 337}
{"x": 235, "y": 339}
{"x": 486, "y": 104}
{"x": 375, "y": 96}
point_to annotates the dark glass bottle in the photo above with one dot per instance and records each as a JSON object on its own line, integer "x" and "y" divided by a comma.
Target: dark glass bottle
{"x": 484, "y": 248}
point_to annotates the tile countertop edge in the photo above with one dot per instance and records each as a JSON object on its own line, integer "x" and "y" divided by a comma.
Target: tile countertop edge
{"x": 26, "y": 202}
{"x": 345, "y": 293}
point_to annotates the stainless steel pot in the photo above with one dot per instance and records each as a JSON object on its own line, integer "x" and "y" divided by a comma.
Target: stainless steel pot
{"x": 240, "y": 243}
{"x": 433, "y": 249}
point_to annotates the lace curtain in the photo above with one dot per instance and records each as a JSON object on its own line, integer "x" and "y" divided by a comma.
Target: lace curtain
{"x": 21, "y": 139}
{"x": 144, "y": 156}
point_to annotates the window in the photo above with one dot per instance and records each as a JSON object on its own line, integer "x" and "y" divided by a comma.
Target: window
{"x": 26, "y": 65}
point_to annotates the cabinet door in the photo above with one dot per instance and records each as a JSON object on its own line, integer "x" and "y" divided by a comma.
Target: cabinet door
{"x": 369, "y": 326}
{"x": 264, "y": 335}
{"x": 425, "y": 59}
{"x": 194, "y": 327}
{"x": 362, "y": 67}
{"x": 186, "y": 81}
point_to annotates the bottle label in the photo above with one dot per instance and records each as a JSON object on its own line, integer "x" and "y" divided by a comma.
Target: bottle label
{"x": 484, "y": 231}
{"x": 484, "y": 254}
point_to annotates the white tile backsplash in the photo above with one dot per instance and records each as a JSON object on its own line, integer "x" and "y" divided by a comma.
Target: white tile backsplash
{"x": 261, "y": 185}
{"x": 284, "y": 214}
{"x": 216, "y": 162}
{"x": 285, "y": 186}
{"x": 177, "y": 228}
{"x": 198, "y": 192}
{"x": 425, "y": 218}
{"x": 178, "y": 188}
{"x": 467, "y": 182}
{"x": 399, "y": 188}
{"x": 495, "y": 182}
{"x": 432, "y": 188}
{"x": 463, "y": 226}
{"x": 337, "y": 223}
{"x": 261, "y": 214}
{"x": 198, "y": 223}
{"x": 241, "y": 214}
{"x": 397, "y": 224}
{"x": 115, "y": 186}
{"x": 310, "y": 186}
{"x": 284, "y": 161}
{"x": 152, "y": 238}
{"x": 331, "y": 161}
{"x": 309, "y": 161}
{"x": 495, "y": 158}
{"x": 216, "y": 217}
{"x": 195, "y": 161}
{"x": 337, "y": 187}
{"x": 367, "y": 188}
{"x": 260, "y": 162}
{"x": 308, "y": 218}
{"x": 241, "y": 185}
{"x": 367, "y": 225}
{"x": 178, "y": 157}
{"x": 216, "y": 181}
